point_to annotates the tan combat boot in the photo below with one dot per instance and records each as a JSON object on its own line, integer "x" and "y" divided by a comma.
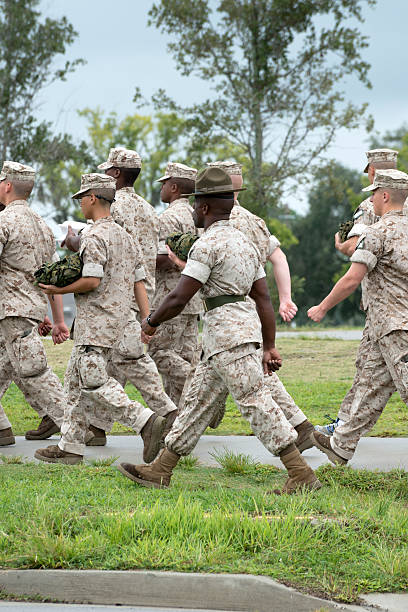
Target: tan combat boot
{"x": 95, "y": 436}
{"x": 6, "y": 437}
{"x": 301, "y": 475}
{"x": 323, "y": 443}
{"x": 53, "y": 454}
{"x": 152, "y": 434}
{"x": 170, "y": 418}
{"x": 304, "y": 439}
{"x": 157, "y": 474}
{"x": 45, "y": 429}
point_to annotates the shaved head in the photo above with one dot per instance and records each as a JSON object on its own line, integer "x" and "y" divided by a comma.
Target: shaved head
{"x": 22, "y": 189}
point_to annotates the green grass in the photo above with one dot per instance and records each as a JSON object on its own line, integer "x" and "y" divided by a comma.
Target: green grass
{"x": 317, "y": 373}
{"x": 350, "y": 537}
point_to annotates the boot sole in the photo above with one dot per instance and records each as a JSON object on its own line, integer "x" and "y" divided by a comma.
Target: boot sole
{"x": 150, "y": 453}
{"x": 144, "y": 483}
{"x": 330, "y": 454}
{"x": 7, "y": 441}
{"x": 307, "y": 443}
{"x": 96, "y": 442}
{"x": 42, "y": 436}
{"x": 64, "y": 460}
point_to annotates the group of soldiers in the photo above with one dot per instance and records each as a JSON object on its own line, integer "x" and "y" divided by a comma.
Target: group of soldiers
{"x": 138, "y": 307}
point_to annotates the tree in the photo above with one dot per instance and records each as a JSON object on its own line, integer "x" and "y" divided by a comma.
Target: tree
{"x": 335, "y": 193}
{"x": 396, "y": 139}
{"x": 28, "y": 48}
{"x": 277, "y": 68}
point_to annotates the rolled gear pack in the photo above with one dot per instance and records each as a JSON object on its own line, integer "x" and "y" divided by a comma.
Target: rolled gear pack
{"x": 181, "y": 244}
{"x": 344, "y": 229}
{"x": 60, "y": 273}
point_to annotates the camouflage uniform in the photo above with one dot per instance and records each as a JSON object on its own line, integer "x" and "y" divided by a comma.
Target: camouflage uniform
{"x": 363, "y": 217}
{"x": 26, "y": 242}
{"x": 108, "y": 253}
{"x": 228, "y": 264}
{"x": 383, "y": 249}
{"x": 174, "y": 346}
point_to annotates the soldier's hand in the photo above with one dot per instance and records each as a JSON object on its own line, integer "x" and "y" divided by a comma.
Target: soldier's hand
{"x": 147, "y": 329}
{"x": 271, "y": 360}
{"x": 174, "y": 259}
{"x": 316, "y": 313}
{"x": 49, "y": 289}
{"x": 45, "y": 327}
{"x": 287, "y": 310}
{"x": 145, "y": 338}
{"x": 71, "y": 240}
{"x": 60, "y": 333}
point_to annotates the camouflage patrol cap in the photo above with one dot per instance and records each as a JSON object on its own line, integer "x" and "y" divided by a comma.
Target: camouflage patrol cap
{"x": 177, "y": 170}
{"x": 213, "y": 181}
{"x": 119, "y": 157}
{"x": 18, "y": 172}
{"x": 380, "y": 155}
{"x": 230, "y": 167}
{"x": 102, "y": 184}
{"x": 388, "y": 179}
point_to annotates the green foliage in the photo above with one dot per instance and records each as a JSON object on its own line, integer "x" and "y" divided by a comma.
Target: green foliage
{"x": 274, "y": 69}
{"x": 396, "y": 139}
{"x": 234, "y": 463}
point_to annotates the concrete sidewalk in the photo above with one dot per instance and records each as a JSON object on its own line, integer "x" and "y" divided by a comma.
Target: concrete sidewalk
{"x": 382, "y": 454}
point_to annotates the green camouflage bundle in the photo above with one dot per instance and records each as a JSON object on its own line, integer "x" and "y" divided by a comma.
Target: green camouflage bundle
{"x": 181, "y": 244}
{"x": 344, "y": 229}
{"x": 60, "y": 273}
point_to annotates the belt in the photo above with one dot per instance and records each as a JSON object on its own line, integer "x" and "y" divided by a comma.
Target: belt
{"x": 220, "y": 300}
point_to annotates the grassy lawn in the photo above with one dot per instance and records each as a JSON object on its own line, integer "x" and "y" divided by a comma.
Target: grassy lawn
{"x": 348, "y": 538}
{"x": 316, "y": 372}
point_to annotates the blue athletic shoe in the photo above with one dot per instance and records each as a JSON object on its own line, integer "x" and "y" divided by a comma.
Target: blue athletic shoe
{"x": 328, "y": 430}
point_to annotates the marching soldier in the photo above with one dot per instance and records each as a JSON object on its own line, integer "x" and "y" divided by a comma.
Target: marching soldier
{"x": 380, "y": 257}
{"x": 227, "y": 268}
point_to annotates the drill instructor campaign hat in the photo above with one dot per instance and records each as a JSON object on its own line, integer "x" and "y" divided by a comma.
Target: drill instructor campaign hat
{"x": 213, "y": 181}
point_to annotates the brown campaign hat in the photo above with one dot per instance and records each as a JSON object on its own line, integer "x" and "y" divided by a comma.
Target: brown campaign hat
{"x": 213, "y": 181}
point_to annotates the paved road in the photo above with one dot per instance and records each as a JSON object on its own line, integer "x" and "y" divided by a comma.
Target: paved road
{"x": 340, "y": 334}
{"x": 16, "y": 606}
{"x": 372, "y": 453}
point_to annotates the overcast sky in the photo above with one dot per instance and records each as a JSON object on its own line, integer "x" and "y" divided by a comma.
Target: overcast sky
{"x": 122, "y": 53}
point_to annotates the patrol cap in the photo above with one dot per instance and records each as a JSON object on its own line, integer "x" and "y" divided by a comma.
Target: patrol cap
{"x": 102, "y": 184}
{"x": 230, "y": 167}
{"x": 119, "y": 157}
{"x": 380, "y": 155}
{"x": 389, "y": 179}
{"x": 213, "y": 181}
{"x": 18, "y": 172}
{"x": 177, "y": 170}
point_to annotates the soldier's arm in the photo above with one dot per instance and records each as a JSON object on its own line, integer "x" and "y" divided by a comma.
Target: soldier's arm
{"x": 281, "y": 272}
{"x": 259, "y": 293}
{"x": 71, "y": 241}
{"x": 141, "y": 298}
{"x": 60, "y": 331}
{"x": 341, "y": 290}
{"x": 82, "y": 285}
{"x": 348, "y": 246}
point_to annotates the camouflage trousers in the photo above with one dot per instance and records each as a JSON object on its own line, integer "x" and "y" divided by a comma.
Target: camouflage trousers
{"x": 24, "y": 361}
{"x": 129, "y": 362}
{"x": 384, "y": 371}
{"x": 239, "y": 372}
{"x": 92, "y": 394}
{"x": 363, "y": 353}
{"x": 286, "y": 403}
{"x": 174, "y": 348}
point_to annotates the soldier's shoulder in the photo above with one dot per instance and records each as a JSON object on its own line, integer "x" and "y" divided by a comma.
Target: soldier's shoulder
{"x": 365, "y": 206}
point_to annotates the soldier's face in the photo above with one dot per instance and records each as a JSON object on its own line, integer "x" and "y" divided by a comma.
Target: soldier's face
{"x": 378, "y": 200}
{"x": 165, "y": 192}
{"x": 86, "y": 206}
{"x": 198, "y": 215}
{"x": 2, "y": 192}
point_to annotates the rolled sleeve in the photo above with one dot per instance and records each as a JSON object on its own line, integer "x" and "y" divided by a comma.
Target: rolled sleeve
{"x": 260, "y": 273}
{"x": 162, "y": 248}
{"x": 357, "y": 230}
{"x": 197, "y": 270}
{"x": 364, "y": 257}
{"x": 92, "y": 269}
{"x": 368, "y": 249}
{"x": 140, "y": 274}
{"x": 273, "y": 244}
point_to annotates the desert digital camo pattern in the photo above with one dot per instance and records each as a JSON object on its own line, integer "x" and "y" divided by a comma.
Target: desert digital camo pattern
{"x": 26, "y": 243}
{"x": 108, "y": 252}
{"x": 255, "y": 230}
{"x": 388, "y": 179}
{"x": 102, "y": 184}
{"x": 177, "y": 170}
{"x": 226, "y": 263}
{"x": 380, "y": 155}
{"x": 92, "y": 395}
{"x": 383, "y": 248}
{"x": 119, "y": 157}
{"x": 239, "y": 372}
{"x": 16, "y": 171}
{"x": 384, "y": 371}
{"x": 230, "y": 167}
{"x": 23, "y": 360}
{"x": 141, "y": 221}
{"x": 177, "y": 218}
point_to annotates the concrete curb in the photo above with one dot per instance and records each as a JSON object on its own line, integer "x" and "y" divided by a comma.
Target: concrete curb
{"x": 237, "y": 592}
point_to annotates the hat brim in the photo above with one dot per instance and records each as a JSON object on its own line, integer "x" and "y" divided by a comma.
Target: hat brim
{"x": 105, "y": 166}
{"x": 163, "y": 178}
{"x": 371, "y": 187}
{"x": 210, "y": 193}
{"x": 2, "y": 176}
{"x": 366, "y": 168}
